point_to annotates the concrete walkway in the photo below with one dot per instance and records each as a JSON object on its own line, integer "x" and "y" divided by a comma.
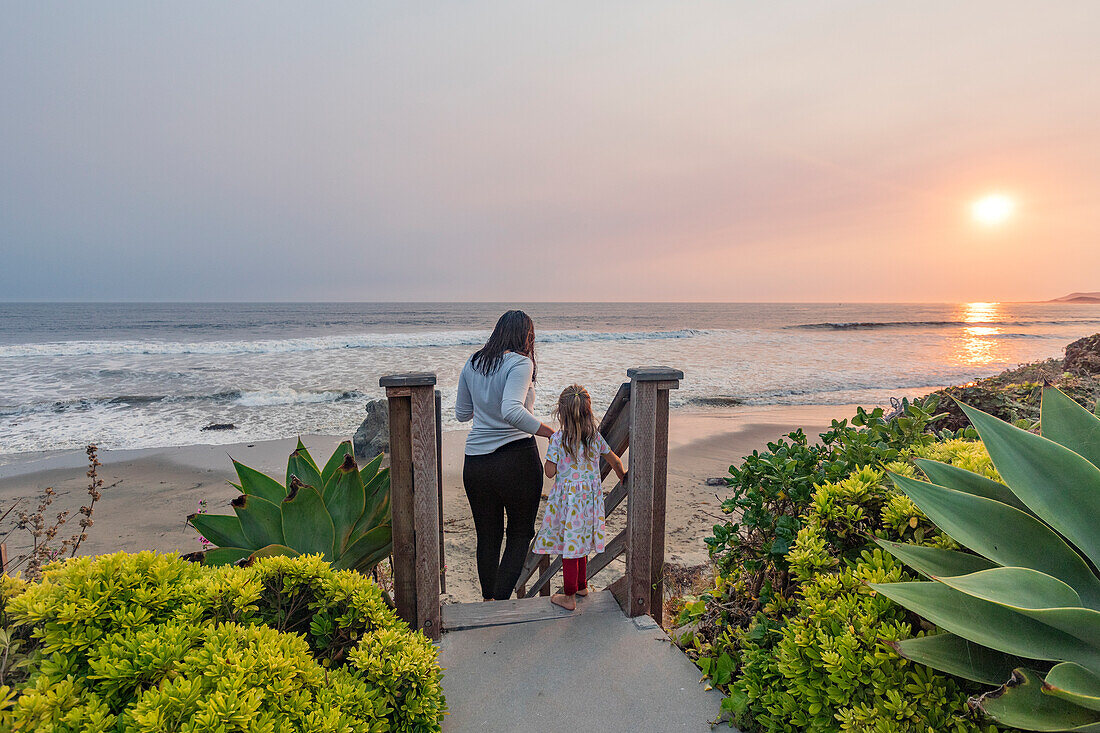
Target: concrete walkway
{"x": 525, "y": 665}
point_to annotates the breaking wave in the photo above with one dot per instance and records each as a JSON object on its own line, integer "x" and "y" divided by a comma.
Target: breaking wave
{"x": 323, "y": 343}
{"x": 868, "y": 325}
{"x": 243, "y": 398}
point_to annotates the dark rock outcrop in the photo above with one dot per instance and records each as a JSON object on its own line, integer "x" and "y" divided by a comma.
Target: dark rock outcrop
{"x": 1083, "y": 356}
{"x": 219, "y": 426}
{"x": 373, "y": 435}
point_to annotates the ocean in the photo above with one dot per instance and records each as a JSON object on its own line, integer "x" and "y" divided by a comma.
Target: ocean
{"x": 147, "y": 375}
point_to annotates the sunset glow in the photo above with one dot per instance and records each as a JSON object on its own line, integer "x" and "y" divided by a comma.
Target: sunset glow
{"x": 993, "y": 209}
{"x": 978, "y": 345}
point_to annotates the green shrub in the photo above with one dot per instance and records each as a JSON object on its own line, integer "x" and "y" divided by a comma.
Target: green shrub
{"x": 148, "y": 642}
{"x": 771, "y": 491}
{"x": 821, "y": 660}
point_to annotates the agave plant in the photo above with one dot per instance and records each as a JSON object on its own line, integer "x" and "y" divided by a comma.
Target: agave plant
{"x": 1023, "y": 612}
{"x": 341, "y": 512}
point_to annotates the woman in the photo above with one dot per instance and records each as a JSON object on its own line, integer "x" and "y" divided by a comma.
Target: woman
{"x": 502, "y": 471}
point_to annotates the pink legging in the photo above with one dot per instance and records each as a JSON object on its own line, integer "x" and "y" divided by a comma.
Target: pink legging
{"x": 575, "y": 572}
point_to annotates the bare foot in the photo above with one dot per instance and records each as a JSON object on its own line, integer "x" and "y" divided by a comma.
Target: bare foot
{"x": 569, "y": 603}
{"x": 582, "y": 592}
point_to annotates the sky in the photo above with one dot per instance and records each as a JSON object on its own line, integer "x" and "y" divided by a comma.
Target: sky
{"x": 520, "y": 151}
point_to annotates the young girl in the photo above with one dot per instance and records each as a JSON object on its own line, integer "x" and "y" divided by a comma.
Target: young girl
{"x": 574, "y": 523}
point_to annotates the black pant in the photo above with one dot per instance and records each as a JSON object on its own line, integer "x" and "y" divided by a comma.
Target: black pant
{"x": 506, "y": 481}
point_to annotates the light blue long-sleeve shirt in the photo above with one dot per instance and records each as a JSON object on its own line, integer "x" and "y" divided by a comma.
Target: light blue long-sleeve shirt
{"x": 500, "y": 404}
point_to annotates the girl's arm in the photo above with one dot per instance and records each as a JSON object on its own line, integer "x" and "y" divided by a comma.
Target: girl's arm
{"x": 616, "y": 464}
{"x": 550, "y": 468}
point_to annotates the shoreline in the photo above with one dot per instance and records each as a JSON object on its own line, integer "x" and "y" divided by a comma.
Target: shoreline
{"x": 159, "y": 487}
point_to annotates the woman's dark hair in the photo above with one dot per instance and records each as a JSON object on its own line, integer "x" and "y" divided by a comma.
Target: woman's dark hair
{"x": 515, "y": 331}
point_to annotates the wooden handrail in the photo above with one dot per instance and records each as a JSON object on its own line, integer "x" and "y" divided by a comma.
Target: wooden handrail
{"x": 637, "y": 419}
{"x": 615, "y": 428}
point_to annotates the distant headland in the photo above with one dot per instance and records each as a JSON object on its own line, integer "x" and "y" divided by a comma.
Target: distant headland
{"x": 1078, "y": 298}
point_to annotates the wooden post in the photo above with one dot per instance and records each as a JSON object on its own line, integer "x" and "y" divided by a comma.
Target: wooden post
{"x": 645, "y": 542}
{"x": 439, "y": 477}
{"x": 414, "y": 482}
{"x": 3, "y": 558}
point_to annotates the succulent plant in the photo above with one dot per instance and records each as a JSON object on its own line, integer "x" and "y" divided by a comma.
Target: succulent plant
{"x": 341, "y": 512}
{"x": 1023, "y": 612}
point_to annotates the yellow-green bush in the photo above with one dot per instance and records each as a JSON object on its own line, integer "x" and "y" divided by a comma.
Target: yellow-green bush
{"x": 151, "y": 643}
{"x": 821, "y": 660}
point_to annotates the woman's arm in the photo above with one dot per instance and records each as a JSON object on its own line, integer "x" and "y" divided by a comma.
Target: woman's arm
{"x": 464, "y": 403}
{"x": 550, "y": 468}
{"x": 512, "y": 408}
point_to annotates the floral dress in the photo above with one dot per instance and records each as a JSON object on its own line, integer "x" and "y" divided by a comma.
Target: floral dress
{"x": 573, "y": 525}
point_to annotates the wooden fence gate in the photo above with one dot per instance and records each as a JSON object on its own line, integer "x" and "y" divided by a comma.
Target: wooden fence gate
{"x": 636, "y": 419}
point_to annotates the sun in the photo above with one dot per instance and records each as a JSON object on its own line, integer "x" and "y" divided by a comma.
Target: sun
{"x": 992, "y": 209}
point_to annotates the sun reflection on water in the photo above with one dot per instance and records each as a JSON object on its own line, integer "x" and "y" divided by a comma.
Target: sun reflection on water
{"x": 977, "y": 346}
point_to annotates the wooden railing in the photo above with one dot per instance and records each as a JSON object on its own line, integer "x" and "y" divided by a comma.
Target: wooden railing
{"x": 637, "y": 419}
{"x": 615, "y": 428}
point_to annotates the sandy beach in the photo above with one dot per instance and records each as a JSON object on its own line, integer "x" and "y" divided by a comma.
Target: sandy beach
{"x": 157, "y": 488}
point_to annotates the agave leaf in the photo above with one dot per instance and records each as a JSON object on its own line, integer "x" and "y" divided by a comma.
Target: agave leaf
{"x": 960, "y": 657}
{"x": 273, "y": 551}
{"x": 368, "y": 471}
{"x": 983, "y": 525}
{"x": 988, "y": 624}
{"x": 377, "y": 508}
{"x": 1021, "y": 703}
{"x": 370, "y": 561}
{"x": 1068, "y": 424}
{"x": 223, "y": 530}
{"x": 1016, "y": 588}
{"x": 380, "y": 515}
{"x": 335, "y": 461}
{"x": 258, "y": 484}
{"x": 301, "y": 465}
{"x": 344, "y": 498}
{"x": 1039, "y": 597}
{"x": 307, "y": 526}
{"x": 305, "y": 453}
{"x": 377, "y": 486}
{"x": 1073, "y": 682}
{"x": 959, "y": 479}
{"x": 934, "y": 562}
{"x": 224, "y": 555}
{"x": 377, "y": 541}
{"x": 1061, "y": 487}
{"x": 261, "y": 521}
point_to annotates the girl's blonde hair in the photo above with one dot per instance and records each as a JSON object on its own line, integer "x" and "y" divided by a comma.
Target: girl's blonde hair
{"x": 578, "y": 424}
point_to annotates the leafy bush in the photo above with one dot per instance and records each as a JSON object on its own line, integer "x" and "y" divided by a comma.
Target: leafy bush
{"x": 340, "y": 512}
{"x": 821, "y": 659}
{"x": 770, "y": 492}
{"x": 150, "y": 642}
{"x": 1024, "y": 612}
